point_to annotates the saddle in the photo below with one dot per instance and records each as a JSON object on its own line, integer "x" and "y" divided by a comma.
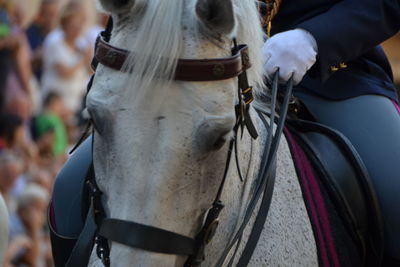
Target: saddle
{"x": 69, "y": 205}
{"x": 343, "y": 175}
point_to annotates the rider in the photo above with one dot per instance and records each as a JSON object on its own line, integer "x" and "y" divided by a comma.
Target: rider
{"x": 343, "y": 77}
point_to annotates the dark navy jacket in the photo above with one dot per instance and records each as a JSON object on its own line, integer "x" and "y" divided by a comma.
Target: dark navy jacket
{"x": 350, "y": 62}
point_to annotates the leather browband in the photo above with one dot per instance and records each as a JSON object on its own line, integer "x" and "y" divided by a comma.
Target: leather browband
{"x": 187, "y": 69}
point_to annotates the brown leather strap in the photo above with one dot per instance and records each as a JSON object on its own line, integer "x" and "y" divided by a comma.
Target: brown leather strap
{"x": 187, "y": 69}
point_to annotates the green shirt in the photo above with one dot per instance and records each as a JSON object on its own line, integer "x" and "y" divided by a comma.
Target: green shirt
{"x": 46, "y": 121}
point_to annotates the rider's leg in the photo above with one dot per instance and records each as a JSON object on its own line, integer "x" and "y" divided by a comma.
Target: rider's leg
{"x": 372, "y": 124}
{"x": 67, "y": 193}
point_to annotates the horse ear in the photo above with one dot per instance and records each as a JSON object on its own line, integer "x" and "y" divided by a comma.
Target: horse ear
{"x": 216, "y": 15}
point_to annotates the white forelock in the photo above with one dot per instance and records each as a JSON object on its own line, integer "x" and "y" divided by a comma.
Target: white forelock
{"x": 159, "y": 53}
{"x": 157, "y": 42}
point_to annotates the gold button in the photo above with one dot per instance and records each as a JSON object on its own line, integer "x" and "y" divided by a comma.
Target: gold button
{"x": 334, "y": 68}
{"x": 343, "y": 65}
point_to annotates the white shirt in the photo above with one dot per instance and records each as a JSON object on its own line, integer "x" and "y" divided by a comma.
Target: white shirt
{"x": 72, "y": 89}
{"x": 57, "y": 34}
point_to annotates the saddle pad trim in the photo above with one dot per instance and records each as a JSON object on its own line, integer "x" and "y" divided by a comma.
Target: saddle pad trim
{"x": 396, "y": 106}
{"x": 316, "y": 206}
{"x": 370, "y": 235}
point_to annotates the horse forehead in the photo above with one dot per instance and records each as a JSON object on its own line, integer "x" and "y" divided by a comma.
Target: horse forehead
{"x": 195, "y": 44}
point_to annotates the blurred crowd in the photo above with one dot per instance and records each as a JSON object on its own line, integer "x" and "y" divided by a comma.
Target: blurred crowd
{"x": 44, "y": 69}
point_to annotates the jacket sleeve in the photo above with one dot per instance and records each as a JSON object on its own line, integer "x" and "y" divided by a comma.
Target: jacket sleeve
{"x": 349, "y": 29}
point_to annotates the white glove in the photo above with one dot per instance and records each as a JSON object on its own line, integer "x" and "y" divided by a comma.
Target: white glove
{"x": 292, "y": 52}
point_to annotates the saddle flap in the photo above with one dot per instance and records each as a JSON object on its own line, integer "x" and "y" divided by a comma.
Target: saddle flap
{"x": 347, "y": 181}
{"x": 337, "y": 175}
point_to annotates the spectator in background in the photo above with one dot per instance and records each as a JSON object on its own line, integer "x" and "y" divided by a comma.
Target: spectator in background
{"x": 14, "y": 137}
{"x": 11, "y": 131}
{"x": 42, "y": 178}
{"x": 5, "y": 53}
{"x": 49, "y": 129}
{"x": 10, "y": 169}
{"x": 27, "y": 222}
{"x": 66, "y": 66}
{"x": 45, "y": 22}
{"x": 17, "y": 87}
{"x": 94, "y": 31}
{"x": 7, "y": 44}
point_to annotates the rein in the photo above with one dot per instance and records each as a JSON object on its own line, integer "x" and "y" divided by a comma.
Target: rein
{"x": 99, "y": 229}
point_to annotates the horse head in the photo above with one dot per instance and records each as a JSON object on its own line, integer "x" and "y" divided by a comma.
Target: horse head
{"x": 160, "y": 144}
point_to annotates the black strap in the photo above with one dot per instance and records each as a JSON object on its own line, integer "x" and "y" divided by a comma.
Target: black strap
{"x": 260, "y": 179}
{"x": 146, "y": 237}
{"x": 107, "y": 32}
{"x": 238, "y": 161}
{"x": 205, "y": 235}
{"x": 61, "y": 247}
{"x": 83, "y": 248}
{"x": 245, "y": 94}
{"x": 269, "y": 157}
{"x": 249, "y": 210}
{"x": 270, "y": 172}
{"x": 259, "y": 222}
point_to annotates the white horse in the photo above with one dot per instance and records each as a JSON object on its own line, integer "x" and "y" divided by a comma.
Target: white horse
{"x": 3, "y": 228}
{"x": 160, "y": 145}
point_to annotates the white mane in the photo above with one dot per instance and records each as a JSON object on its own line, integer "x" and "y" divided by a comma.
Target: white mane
{"x": 159, "y": 52}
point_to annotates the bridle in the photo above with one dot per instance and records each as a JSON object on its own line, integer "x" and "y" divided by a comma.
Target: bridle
{"x": 99, "y": 229}
{"x": 193, "y": 70}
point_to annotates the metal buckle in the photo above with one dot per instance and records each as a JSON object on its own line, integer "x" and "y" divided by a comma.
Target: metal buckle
{"x": 210, "y": 231}
{"x": 103, "y": 250}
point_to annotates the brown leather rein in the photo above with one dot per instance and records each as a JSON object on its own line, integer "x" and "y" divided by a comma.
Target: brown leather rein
{"x": 194, "y": 70}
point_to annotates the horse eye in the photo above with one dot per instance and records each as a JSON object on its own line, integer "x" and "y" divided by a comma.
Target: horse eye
{"x": 213, "y": 133}
{"x": 100, "y": 118}
{"x": 220, "y": 142}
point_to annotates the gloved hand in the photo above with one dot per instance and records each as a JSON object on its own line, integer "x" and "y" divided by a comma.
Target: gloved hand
{"x": 293, "y": 52}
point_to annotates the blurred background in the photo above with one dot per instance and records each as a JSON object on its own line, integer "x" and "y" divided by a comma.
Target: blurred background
{"x": 46, "y": 47}
{"x": 45, "y": 51}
